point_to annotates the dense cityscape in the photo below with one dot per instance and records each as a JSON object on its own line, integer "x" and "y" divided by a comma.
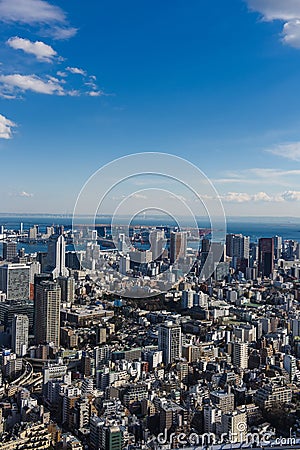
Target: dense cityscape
{"x": 210, "y": 363}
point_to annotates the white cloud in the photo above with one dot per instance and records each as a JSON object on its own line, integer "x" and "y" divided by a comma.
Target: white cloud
{"x": 37, "y": 12}
{"x": 40, "y": 50}
{"x": 6, "y": 126}
{"x": 262, "y": 197}
{"x": 14, "y": 83}
{"x": 63, "y": 33}
{"x": 74, "y": 93}
{"x": 291, "y": 33}
{"x": 291, "y": 196}
{"x": 76, "y": 71}
{"x": 25, "y": 194}
{"x": 287, "y": 11}
{"x": 236, "y": 197}
{"x": 95, "y": 93}
{"x": 61, "y": 74}
{"x": 243, "y": 197}
{"x": 276, "y": 9}
{"x": 289, "y": 150}
{"x": 138, "y": 196}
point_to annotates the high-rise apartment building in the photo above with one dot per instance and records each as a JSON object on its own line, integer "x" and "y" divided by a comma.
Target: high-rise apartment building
{"x": 290, "y": 365}
{"x": 169, "y": 341}
{"x": 47, "y": 312}
{"x": 240, "y": 354}
{"x": 20, "y": 328}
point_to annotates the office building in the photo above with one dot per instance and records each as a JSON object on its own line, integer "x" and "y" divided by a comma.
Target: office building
{"x": 9, "y": 309}
{"x": 67, "y": 286}
{"x": 237, "y": 246}
{"x": 277, "y": 247}
{"x": 56, "y": 256}
{"x": 9, "y": 250}
{"x": 14, "y": 281}
{"x": 72, "y": 261}
{"x": 178, "y": 245}
{"x": 157, "y": 241}
{"x": 265, "y": 257}
{"x": 47, "y": 313}
{"x": 124, "y": 264}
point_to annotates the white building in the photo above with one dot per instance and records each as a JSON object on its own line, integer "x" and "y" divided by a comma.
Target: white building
{"x": 56, "y": 256}
{"x": 20, "y": 326}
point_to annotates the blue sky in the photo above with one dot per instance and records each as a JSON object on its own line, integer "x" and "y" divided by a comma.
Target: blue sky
{"x": 217, "y": 83}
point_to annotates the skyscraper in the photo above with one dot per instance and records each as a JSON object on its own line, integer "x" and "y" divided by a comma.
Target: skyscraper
{"x": 277, "y": 246}
{"x": 265, "y": 256}
{"x": 178, "y": 244}
{"x": 9, "y": 250}
{"x": 47, "y": 312}
{"x": 67, "y": 286}
{"x": 20, "y": 327}
{"x": 14, "y": 281}
{"x": 169, "y": 341}
{"x": 124, "y": 264}
{"x": 237, "y": 246}
{"x": 56, "y": 256}
{"x": 122, "y": 246}
{"x": 157, "y": 241}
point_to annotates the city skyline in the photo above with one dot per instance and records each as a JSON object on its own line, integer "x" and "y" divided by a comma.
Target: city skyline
{"x": 126, "y": 79}
{"x": 152, "y": 334}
